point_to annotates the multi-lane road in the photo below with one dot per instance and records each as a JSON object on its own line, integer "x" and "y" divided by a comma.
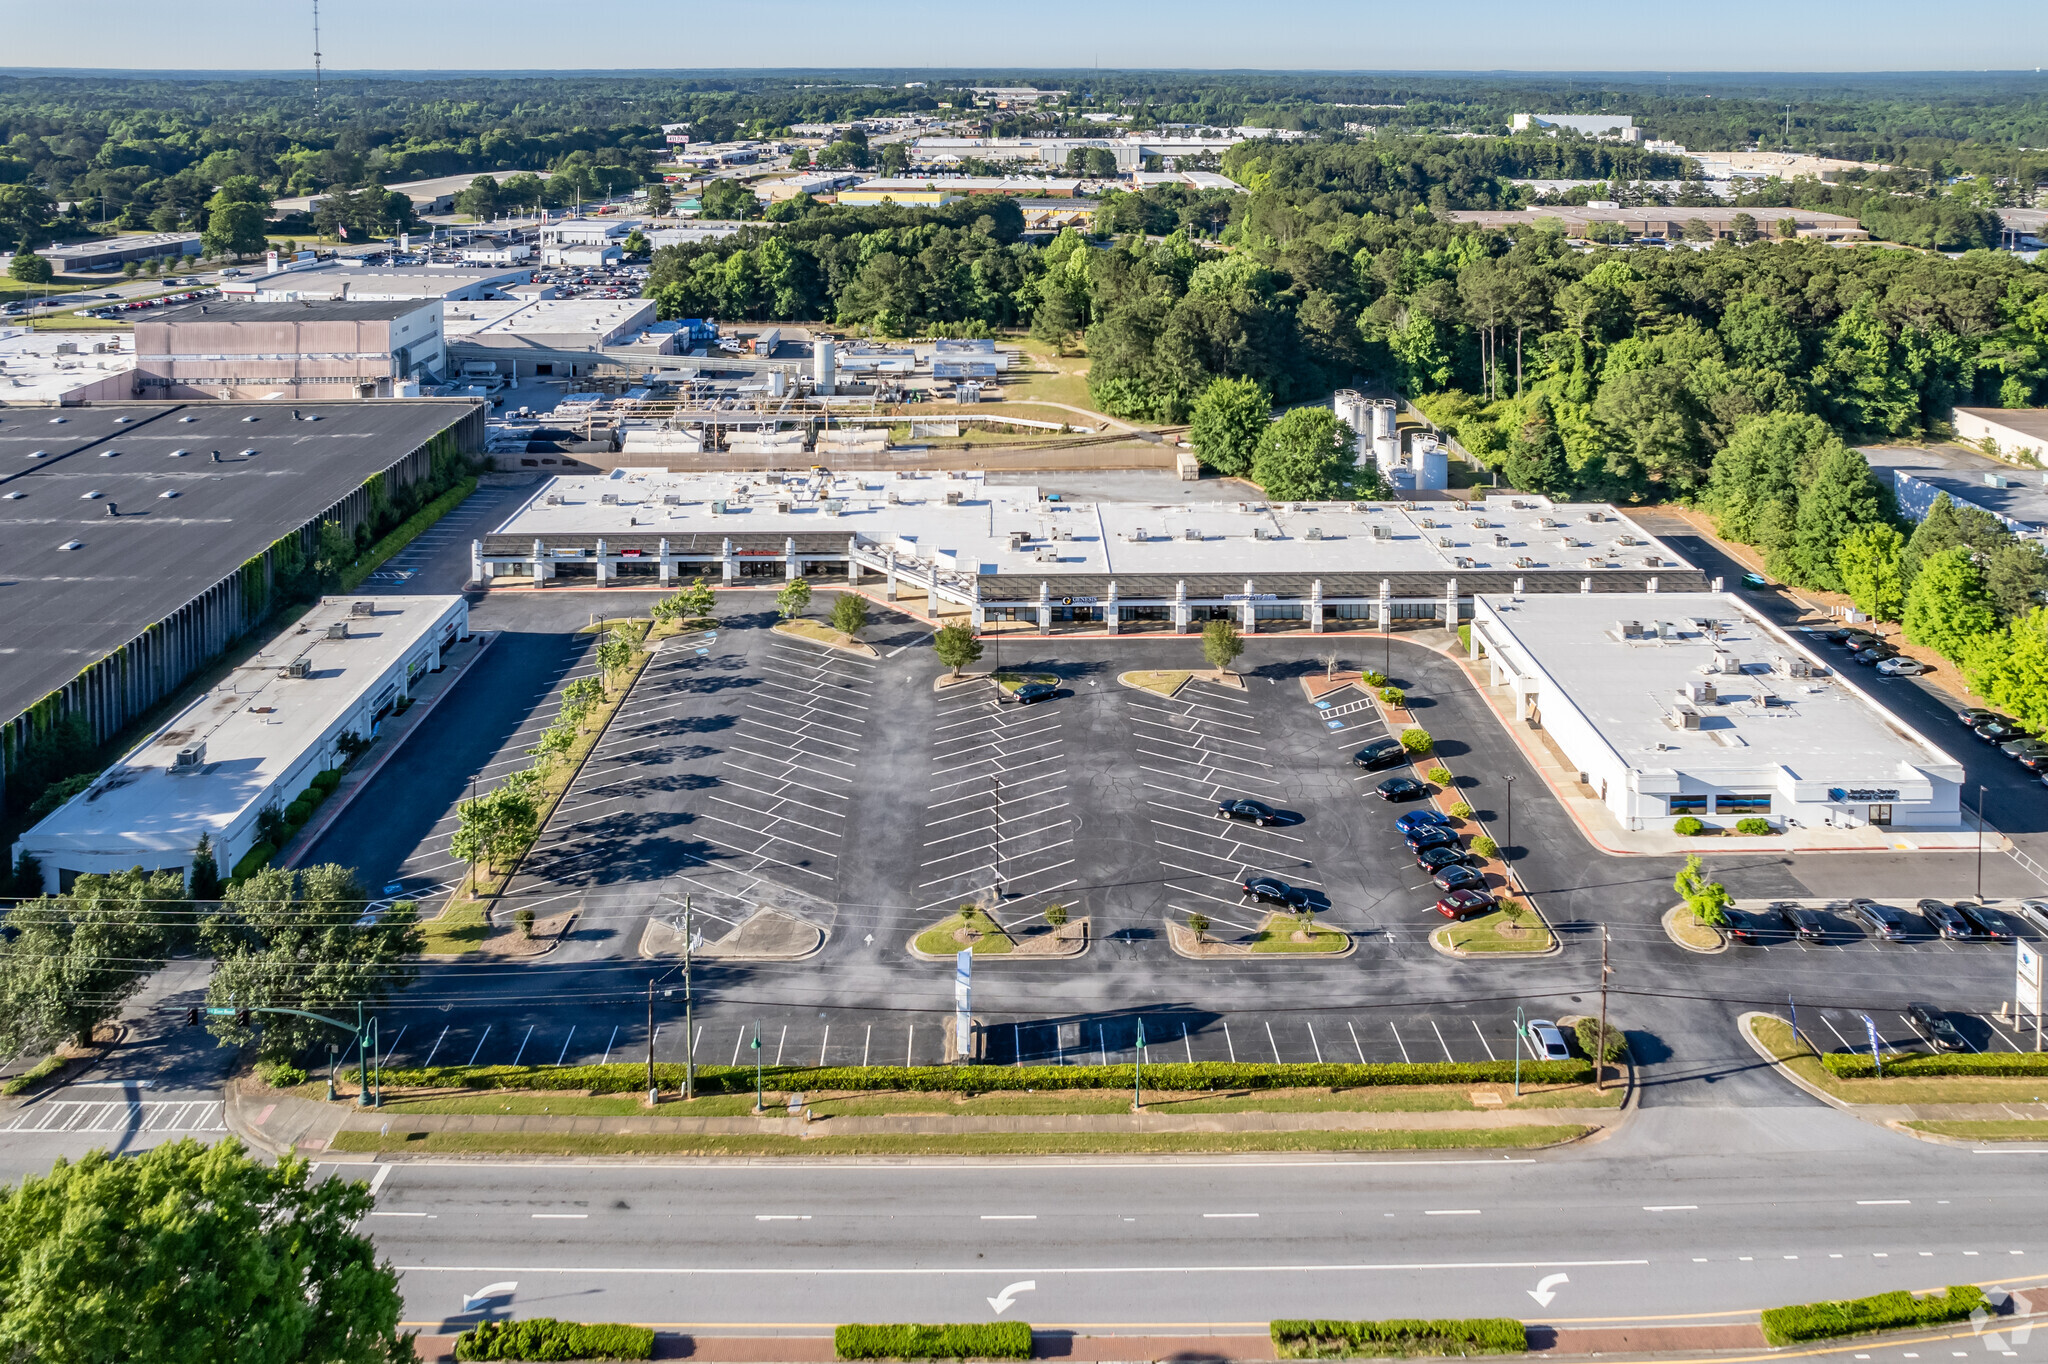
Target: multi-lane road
{"x": 1682, "y": 1215}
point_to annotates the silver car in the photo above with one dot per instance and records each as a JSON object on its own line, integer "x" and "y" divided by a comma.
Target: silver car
{"x": 1546, "y": 1042}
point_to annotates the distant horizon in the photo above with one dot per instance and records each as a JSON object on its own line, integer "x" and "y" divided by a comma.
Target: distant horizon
{"x": 993, "y": 72}
{"x": 1502, "y": 37}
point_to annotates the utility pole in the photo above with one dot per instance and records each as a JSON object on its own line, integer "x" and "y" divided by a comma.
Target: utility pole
{"x": 689, "y": 1027}
{"x": 1600, "y": 1048}
{"x": 1507, "y": 850}
{"x": 652, "y": 1095}
{"x": 1980, "y": 843}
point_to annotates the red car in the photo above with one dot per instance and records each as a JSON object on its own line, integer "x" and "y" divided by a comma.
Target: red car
{"x": 1463, "y": 904}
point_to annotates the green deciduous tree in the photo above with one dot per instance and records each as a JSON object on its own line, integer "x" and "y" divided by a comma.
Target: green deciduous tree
{"x": 850, "y": 613}
{"x": 615, "y": 653}
{"x": 480, "y": 199}
{"x": 1867, "y": 562}
{"x": 1221, "y": 644}
{"x": 1706, "y": 899}
{"x": 1840, "y": 497}
{"x": 28, "y": 267}
{"x": 1306, "y": 456}
{"x": 2016, "y": 575}
{"x": 2009, "y": 668}
{"x": 294, "y": 939}
{"x": 728, "y": 199}
{"x": 956, "y": 646}
{"x": 190, "y": 1254}
{"x": 1228, "y": 420}
{"x": 794, "y": 599}
{"x": 71, "y": 961}
{"x": 1948, "y": 606}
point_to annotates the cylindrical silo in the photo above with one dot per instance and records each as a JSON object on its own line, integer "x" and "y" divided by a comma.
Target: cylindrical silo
{"x": 822, "y": 363}
{"x": 1386, "y": 451}
{"x": 1382, "y": 418}
{"x": 1351, "y": 410}
{"x": 1431, "y": 466}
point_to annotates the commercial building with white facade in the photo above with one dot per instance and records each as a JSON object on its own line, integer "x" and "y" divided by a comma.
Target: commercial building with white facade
{"x": 1012, "y": 556}
{"x": 1685, "y": 703}
{"x": 256, "y": 740}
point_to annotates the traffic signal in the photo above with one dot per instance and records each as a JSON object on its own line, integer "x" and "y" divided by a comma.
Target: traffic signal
{"x": 241, "y": 1018}
{"x": 191, "y": 1018}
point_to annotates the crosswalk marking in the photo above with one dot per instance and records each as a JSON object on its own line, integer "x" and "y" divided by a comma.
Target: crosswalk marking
{"x": 143, "y": 1115}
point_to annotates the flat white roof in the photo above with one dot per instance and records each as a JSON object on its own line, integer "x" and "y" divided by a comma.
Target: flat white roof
{"x": 256, "y": 727}
{"x": 1822, "y": 727}
{"x": 1103, "y": 537}
{"x": 31, "y": 370}
{"x": 329, "y": 280}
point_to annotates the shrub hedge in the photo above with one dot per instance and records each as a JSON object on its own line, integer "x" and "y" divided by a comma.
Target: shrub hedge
{"x": 544, "y": 1338}
{"x": 1347, "y": 1339}
{"x": 631, "y": 1078}
{"x": 980, "y": 1340}
{"x": 1754, "y": 828}
{"x": 1686, "y": 826}
{"x": 1589, "y": 1037}
{"x": 1859, "y": 1316}
{"x": 326, "y": 781}
{"x": 1417, "y": 740}
{"x": 253, "y": 861}
{"x": 1856, "y": 1065}
{"x": 47, "y": 1068}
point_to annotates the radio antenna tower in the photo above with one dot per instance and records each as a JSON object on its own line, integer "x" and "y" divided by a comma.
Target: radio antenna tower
{"x": 316, "y": 56}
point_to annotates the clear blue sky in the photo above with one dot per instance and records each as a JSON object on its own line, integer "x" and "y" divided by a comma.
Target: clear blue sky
{"x": 1725, "y": 35}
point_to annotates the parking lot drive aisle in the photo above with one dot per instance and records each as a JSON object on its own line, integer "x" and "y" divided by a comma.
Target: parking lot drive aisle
{"x": 998, "y": 819}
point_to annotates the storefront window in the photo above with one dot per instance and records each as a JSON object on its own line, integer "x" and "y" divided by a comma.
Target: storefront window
{"x": 1742, "y": 805}
{"x": 1685, "y": 805}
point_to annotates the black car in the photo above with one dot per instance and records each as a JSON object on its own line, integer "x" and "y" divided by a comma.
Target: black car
{"x": 1434, "y": 860}
{"x": 1400, "y": 788}
{"x": 1269, "y": 890}
{"x": 1434, "y": 837}
{"x": 1883, "y": 920}
{"x": 1989, "y": 924}
{"x": 1380, "y": 753}
{"x": 1875, "y": 654}
{"x": 1459, "y": 877}
{"x": 1946, "y": 921}
{"x": 1856, "y": 643}
{"x": 1932, "y": 1024}
{"x": 1807, "y": 925}
{"x": 1742, "y": 926}
{"x": 2000, "y": 732}
{"x": 1837, "y": 634}
{"x": 1256, "y": 811}
{"x": 1034, "y": 691}
{"x": 2035, "y": 761}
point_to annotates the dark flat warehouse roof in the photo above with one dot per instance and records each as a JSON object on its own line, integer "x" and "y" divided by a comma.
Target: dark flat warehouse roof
{"x": 312, "y": 310}
{"x": 63, "y": 610}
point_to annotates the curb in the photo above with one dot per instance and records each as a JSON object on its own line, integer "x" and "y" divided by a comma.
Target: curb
{"x": 852, "y": 646}
{"x": 1670, "y": 916}
{"x": 1556, "y": 947}
{"x": 1087, "y": 942}
{"x": 824, "y": 937}
{"x": 1174, "y": 930}
{"x": 311, "y": 833}
{"x": 1742, "y": 1022}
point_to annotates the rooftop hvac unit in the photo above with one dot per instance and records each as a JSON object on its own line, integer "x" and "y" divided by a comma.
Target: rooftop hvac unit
{"x": 893, "y": 499}
{"x": 1017, "y": 539}
{"x": 1428, "y": 523}
{"x": 1190, "y": 533}
{"x": 191, "y": 755}
{"x": 1063, "y": 534}
{"x": 718, "y": 506}
{"x": 1519, "y": 505}
{"x": 1500, "y": 542}
{"x": 1727, "y": 664}
{"x": 671, "y": 499}
{"x": 362, "y": 608}
{"x": 1462, "y": 561}
{"x": 782, "y": 506}
{"x": 1479, "y": 523}
{"x": 1701, "y": 693}
{"x": 832, "y": 506}
{"x": 1443, "y": 542}
{"x": 1047, "y": 555}
{"x": 1547, "y": 523}
{"x": 552, "y": 500}
{"x": 1626, "y": 541}
{"x": 1683, "y": 717}
{"x": 1654, "y": 562}
{"x": 1791, "y": 666}
{"x": 953, "y": 497}
{"x": 1137, "y": 535}
{"x": 1314, "y": 533}
{"x": 1258, "y": 532}
{"x": 298, "y": 667}
{"x": 1596, "y": 517}
{"x": 1627, "y": 629}
{"x": 337, "y": 629}
{"x": 1525, "y": 562}
{"x": 608, "y": 500}
{"x": 1382, "y": 532}
{"x": 1667, "y": 629}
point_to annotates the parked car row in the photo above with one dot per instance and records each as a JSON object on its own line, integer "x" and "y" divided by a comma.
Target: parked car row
{"x": 1871, "y": 651}
{"x": 2009, "y": 737}
{"x": 114, "y": 310}
{"x": 1957, "y": 921}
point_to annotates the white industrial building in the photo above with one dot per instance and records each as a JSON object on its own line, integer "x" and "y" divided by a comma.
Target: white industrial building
{"x": 584, "y": 255}
{"x": 349, "y": 278}
{"x": 583, "y": 231}
{"x": 110, "y": 253}
{"x": 255, "y": 741}
{"x": 1672, "y": 704}
{"x": 560, "y": 337}
{"x": 1012, "y": 554}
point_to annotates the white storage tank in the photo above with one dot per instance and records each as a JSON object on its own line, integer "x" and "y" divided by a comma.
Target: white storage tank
{"x": 1386, "y": 452}
{"x": 822, "y": 366}
{"x": 1431, "y": 466}
{"x": 1351, "y": 410}
{"x": 1383, "y": 418}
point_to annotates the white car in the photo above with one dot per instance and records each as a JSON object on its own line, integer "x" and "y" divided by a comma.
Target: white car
{"x": 1546, "y": 1043}
{"x": 2035, "y": 911}
{"x": 1902, "y": 667}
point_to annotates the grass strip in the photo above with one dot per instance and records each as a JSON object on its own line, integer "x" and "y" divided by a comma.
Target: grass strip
{"x": 546, "y": 1338}
{"x": 1995, "y": 1129}
{"x": 47, "y": 1068}
{"x": 964, "y": 1144}
{"x": 459, "y": 927}
{"x": 1278, "y": 936}
{"x": 938, "y": 940}
{"x": 1909, "y": 1086}
{"x": 631, "y": 1078}
{"x": 1861, "y": 1316}
{"x": 1398, "y": 1338}
{"x": 977, "y": 1340}
{"x": 1485, "y": 933}
{"x": 406, "y": 532}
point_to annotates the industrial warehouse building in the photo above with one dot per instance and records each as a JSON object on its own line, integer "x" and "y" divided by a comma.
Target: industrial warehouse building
{"x": 111, "y": 253}
{"x": 143, "y": 539}
{"x": 1668, "y": 224}
{"x": 256, "y": 741}
{"x": 306, "y": 350}
{"x": 1009, "y": 556}
{"x": 1688, "y": 703}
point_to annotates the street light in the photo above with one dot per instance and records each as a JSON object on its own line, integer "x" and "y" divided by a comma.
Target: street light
{"x": 1507, "y": 850}
{"x": 1980, "y": 842}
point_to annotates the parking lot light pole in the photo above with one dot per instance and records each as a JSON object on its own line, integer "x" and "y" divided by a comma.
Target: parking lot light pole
{"x": 689, "y": 1026}
{"x": 1507, "y": 850}
{"x": 653, "y": 1096}
{"x": 1518, "y": 1050}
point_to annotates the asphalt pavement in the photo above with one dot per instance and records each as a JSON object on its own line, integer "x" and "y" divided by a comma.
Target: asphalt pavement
{"x": 1670, "y": 1219}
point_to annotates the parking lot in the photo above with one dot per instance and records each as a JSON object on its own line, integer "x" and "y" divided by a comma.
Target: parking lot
{"x": 749, "y": 767}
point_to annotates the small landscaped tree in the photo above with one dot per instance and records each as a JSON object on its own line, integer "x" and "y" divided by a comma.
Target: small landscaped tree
{"x": 850, "y": 613}
{"x": 1056, "y": 915}
{"x": 956, "y": 646}
{"x": 697, "y": 600}
{"x": 1221, "y": 644}
{"x": 1198, "y": 924}
{"x": 794, "y": 598}
{"x": 615, "y": 654}
{"x": 1706, "y": 899}
{"x": 204, "y": 881}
